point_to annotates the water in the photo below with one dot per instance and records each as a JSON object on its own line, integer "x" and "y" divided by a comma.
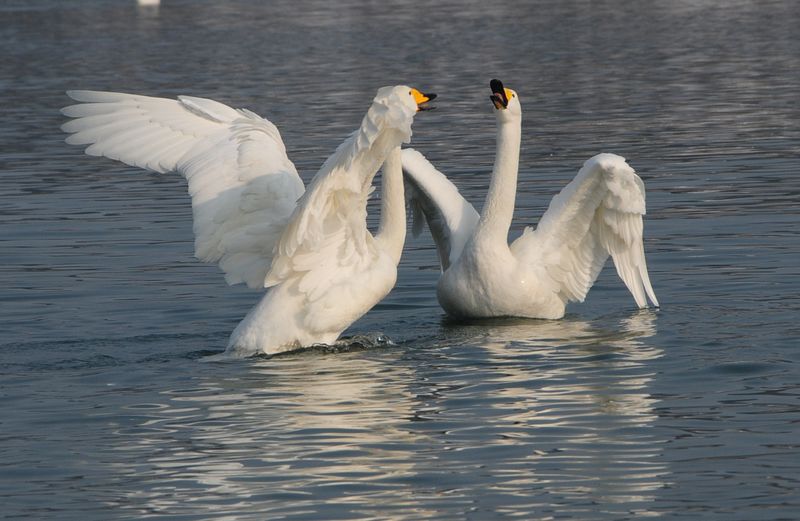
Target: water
{"x": 109, "y": 409}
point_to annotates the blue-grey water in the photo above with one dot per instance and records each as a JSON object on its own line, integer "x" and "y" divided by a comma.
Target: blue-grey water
{"x": 109, "y": 410}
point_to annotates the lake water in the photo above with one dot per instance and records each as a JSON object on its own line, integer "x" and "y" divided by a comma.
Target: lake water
{"x": 108, "y": 409}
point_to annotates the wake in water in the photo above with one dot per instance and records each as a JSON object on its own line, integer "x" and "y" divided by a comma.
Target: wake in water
{"x": 343, "y": 345}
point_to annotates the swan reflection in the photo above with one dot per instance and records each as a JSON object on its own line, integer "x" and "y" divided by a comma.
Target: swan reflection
{"x": 274, "y": 431}
{"x": 542, "y": 412}
{"x": 573, "y": 400}
{"x": 148, "y": 8}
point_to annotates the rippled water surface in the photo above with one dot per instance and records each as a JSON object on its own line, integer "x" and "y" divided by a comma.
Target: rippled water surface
{"x": 110, "y": 409}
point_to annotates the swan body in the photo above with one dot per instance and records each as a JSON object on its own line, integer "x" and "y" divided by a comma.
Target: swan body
{"x": 252, "y": 214}
{"x": 597, "y": 215}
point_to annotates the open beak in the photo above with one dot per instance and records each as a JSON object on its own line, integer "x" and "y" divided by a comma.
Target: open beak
{"x": 499, "y": 96}
{"x": 422, "y": 99}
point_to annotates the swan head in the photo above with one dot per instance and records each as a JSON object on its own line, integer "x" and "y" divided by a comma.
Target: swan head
{"x": 395, "y": 108}
{"x": 506, "y": 101}
{"x": 409, "y": 98}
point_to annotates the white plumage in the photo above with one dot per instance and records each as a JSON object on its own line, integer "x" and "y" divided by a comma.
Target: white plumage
{"x": 597, "y": 215}
{"x": 251, "y": 213}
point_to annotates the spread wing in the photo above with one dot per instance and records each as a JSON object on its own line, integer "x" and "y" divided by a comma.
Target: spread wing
{"x": 326, "y": 243}
{"x": 243, "y": 185}
{"x": 596, "y": 215}
{"x": 326, "y": 239}
{"x": 451, "y": 219}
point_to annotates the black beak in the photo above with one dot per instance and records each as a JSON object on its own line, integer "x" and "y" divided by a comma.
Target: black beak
{"x": 424, "y": 105}
{"x": 498, "y": 96}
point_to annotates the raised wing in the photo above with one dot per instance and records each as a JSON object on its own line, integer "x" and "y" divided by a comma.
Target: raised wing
{"x": 326, "y": 238}
{"x": 596, "y": 215}
{"x": 326, "y": 241}
{"x": 243, "y": 186}
{"x": 451, "y": 219}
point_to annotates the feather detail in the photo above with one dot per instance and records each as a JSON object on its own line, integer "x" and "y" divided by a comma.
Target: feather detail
{"x": 597, "y": 215}
{"x": 333, "y": 209}
{"x": 242, "y": 184}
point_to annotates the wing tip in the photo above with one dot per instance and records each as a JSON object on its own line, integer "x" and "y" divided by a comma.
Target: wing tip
{"x": 83, "y": 95}
{"x": 642, "y": 288}
{"x": 651, "y": 294}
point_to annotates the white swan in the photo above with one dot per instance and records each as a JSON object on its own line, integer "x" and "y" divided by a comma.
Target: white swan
{"x": 596, "y": 215}
{"x": 251, "y": 215}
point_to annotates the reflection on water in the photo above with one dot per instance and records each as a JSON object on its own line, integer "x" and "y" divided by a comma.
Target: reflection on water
{"x": 287, "y": 431}
{"x": 148, "y": 9}
{"x": 580, "y": 404}
{"x": 552, "y": 411}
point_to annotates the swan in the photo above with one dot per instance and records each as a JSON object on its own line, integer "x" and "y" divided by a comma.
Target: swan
{"x": 596, "y": 215}
{"x": 252, "y": 215}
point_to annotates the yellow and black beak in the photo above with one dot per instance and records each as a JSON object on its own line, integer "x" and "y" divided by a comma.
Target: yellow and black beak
{"x": 499, "y": 95}
{"x": 422, "y": 99}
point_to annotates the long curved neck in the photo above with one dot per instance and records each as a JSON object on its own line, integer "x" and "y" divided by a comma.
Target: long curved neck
{"x": 498, "y": 209}
{"x": 392, "y": 229}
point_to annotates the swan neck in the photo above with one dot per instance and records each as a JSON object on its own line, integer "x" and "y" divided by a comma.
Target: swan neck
{"x": 392, "y": 230}
{"x": 498, "y": 208}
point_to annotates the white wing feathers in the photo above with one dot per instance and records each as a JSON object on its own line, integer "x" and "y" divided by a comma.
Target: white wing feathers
{"x": 450, "y": 217}
{"x": 243, "y": 186}
{"x": 328, "y": 228}
{"x": 596, "y": 215}
{"x": 152, "y": 133}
